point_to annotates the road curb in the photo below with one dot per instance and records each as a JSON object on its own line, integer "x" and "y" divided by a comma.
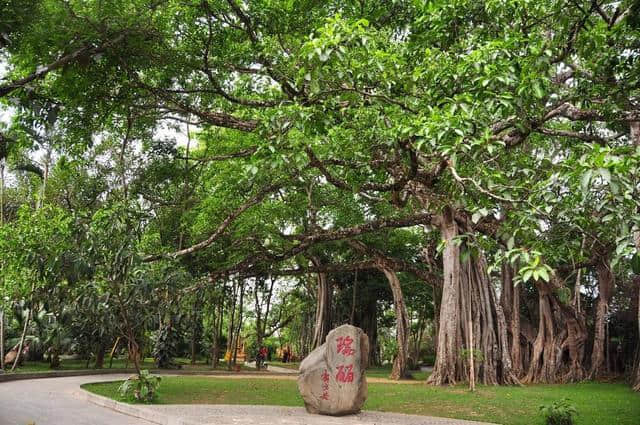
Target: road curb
{"x": 132, "y": 409}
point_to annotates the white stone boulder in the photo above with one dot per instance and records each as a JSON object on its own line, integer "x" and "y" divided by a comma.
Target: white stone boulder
{"x": 332, "y": 378}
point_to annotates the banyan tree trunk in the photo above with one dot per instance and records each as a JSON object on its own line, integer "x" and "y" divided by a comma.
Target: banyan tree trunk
{"x": 466, "y": 285}
{"x": 444, "y": 370}
{"x": 399, "y": 369}
{"x": 605, "y": 288}
{"x": 323, "y": 310}
{"x": 559, "y": 345}
{"x": 510, "y": 302}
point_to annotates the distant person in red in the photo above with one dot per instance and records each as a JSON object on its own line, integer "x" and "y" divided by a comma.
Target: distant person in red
{"x": 261, "y": 357}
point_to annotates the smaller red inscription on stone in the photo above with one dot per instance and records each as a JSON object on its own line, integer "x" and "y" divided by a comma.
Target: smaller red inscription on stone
{"x": 325, "y": 385}
{"x": 344, "y": 346}
{"x": 345, "y": 373}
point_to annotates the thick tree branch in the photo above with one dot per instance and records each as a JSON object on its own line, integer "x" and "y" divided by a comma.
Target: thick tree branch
{"x": 315, "y": 162}
{"x": 255, "y": 262}
{"x": 325, "y": 268}
{"x": 42, "y": 71}
{"x": 218, "y": 119}
{"x": 381, "y": 260}
{"x": 573, "y": 113}
{"x": 463, "y": 180}
{"x": 333, "y": 235}
{"x": 590, "y": 138}
{"x": 221, "y": 227}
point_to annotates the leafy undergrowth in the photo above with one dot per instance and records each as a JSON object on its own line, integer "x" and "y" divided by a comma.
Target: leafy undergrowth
{"x": 596, "y": 403}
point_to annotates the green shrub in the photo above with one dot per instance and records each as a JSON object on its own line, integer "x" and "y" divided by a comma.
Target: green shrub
{"x": 142, "y": 387}
{"x": 558, "y": 413}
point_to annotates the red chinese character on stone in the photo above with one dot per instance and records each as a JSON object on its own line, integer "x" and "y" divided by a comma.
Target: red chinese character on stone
{"x": 345, "y": 373}
{"x": 344, "y": 346}
{"x": 325, "y": 376}
{"x": 325, "y": 396}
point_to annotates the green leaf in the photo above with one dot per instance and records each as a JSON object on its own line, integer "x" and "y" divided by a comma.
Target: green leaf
{"x": 544, "y": 274}
{"x": 537, "y": 90}
{"x": 607, "y": 218}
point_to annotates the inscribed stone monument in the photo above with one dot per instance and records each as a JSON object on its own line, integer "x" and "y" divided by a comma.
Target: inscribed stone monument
{"x": 331, "y": 378}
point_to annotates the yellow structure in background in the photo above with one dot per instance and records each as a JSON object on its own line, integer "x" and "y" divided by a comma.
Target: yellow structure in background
{"x": 241, "y": 356}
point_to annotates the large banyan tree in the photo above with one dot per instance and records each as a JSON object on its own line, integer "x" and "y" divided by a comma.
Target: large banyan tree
{"x": 509, "y": 128}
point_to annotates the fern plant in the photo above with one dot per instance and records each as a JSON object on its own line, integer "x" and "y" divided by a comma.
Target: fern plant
{"x": 559, "y": 413}
{"x": 142, "y": 387}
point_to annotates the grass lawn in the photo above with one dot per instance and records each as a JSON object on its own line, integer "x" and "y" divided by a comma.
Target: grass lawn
{"x": 148, "y": 363}
{"x": 597, "y": 403}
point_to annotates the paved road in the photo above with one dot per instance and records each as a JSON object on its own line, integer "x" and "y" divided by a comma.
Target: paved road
{"x": 51, "y": 401}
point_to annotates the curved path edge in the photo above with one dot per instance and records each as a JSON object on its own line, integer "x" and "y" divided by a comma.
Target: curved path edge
{"x": 222, "y": 414}
{"x": 140, "y": 412}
